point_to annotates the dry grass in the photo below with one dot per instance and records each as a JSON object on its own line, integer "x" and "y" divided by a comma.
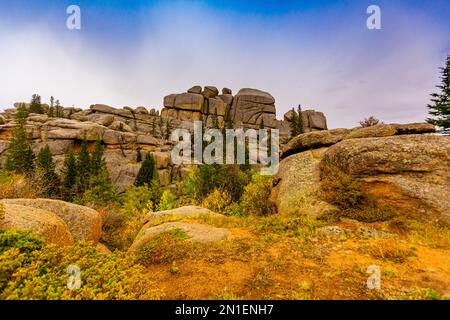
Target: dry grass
{"x": 14, "y": 186}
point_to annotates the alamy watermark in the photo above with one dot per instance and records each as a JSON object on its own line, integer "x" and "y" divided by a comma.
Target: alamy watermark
{"x": 228, "y": 146}
{"x": 73, "y": 21}
{"x": 374, "y": 20}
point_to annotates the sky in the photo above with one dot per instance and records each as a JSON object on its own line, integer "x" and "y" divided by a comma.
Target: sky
{"x": 319, "y": 54}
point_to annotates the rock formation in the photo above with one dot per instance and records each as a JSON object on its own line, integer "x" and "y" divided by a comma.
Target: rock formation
{"x": 398, "y": 166}
{"x": 127, "y": 131}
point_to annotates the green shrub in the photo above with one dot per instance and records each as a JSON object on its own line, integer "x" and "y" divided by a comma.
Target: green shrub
{"x": 45, "y": 276}
{"x": 346, "y": 193}
{"x": 23, "y": 240}
{"x": 227, "y": 178}
{"x": 102, "y": 191}
{"x": 217, "y": 201}
{"x": 255, "y": 199}
{"x": 168, "y": 201}
{"x": 137, "y": 201}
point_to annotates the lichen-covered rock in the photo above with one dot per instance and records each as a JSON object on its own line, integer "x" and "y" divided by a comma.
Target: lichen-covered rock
{"x": 408, "y": 173}
{"x": 85, "y": 224}
{"x": 298, "y": 178}
{"x": 194, "y": 232}
{"x": 43, "y": 222}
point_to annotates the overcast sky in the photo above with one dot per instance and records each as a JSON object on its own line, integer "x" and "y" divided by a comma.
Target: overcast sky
{"x": 316, "y": 53}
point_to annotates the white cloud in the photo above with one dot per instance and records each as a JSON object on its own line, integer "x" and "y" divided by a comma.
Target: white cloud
{"x": 335, "y": 66}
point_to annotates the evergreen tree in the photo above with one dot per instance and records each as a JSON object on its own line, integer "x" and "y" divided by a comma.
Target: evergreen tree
{"x": 294, "y": 124}
{"x": 19, "y": 156}
{"x": 83, "y": 167}
{"x": 215, "y": 120}
{"x": 35, "y": 105}
{"x": 69, "y": 176}
{"x": 102, "y": 190}
{"x": 51, "y": 109}
{"x": 168, "y": 128}
{"x": 147, "y": 171}
{"x": 45, "y": 173}
{"x": 97, "y": 161}
{"x": 58, "y": 108}
{"x": 439, "y": 110}
{"x": 228, "y": 120}
{"x": 300, "y": 125}
{"x": 138, "y": 155}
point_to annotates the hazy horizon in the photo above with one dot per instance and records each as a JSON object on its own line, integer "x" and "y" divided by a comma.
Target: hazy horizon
{"x": 315, "y": 53}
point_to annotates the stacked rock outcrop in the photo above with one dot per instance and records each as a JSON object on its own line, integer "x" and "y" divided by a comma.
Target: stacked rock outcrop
{"x": 125, "y": 132}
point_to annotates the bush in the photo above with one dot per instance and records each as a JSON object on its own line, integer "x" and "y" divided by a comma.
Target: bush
{"x": 23, "y": 240}
{"x": 168, "y": 201}
{"x": 345, "y": 192}
{"x": 368, "y": 122}
{"x": 13, "y": 186}
{"x": 227, "y": 178}
{"x": 217, "y": 201}
{"x": 45, "y": 276}
{"x": 137, "y": 201}
{"x": 102, "y": 191}
{"x": 255, "y": 199}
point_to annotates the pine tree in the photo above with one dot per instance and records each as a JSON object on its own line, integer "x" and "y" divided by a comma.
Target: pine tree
{"x": 83, "y": 167}
{"x": 97, "y": 161}
{"x": 19, "y": 156}
{"x": 168, "y": 129}
{"x": 147, "y": 171}
{"x": 300, "y": 125}
{"x": 138, "y": 155}
{"x": 294, "y": 124}
{"x": 102, "y": 190}
{"x": 440, "y": 107}
{"x": 51, "y": 109}
{"x": 229, "y": 121}
{"x": 45, "y": 173}
{"x": 215, "y": 120}
{"x": 69, "y": 176}
{"x": 35, "y": 105}
{"x": 59, "y": 111}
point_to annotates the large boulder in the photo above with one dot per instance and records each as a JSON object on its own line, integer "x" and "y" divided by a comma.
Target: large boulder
{"x": 43, "y": 222}
{"x": 189, "y": 101}
{"x": 251, "y": 105}
{"x": 408, "y": 173}
{"x": 195, "y": 89}
{"x": 85, "y": 224}
{"x": 298, "y": 179}
{"x": 210, "y": 92}
{"x": 194, "y": 232}
{"x": 187, "y": 212}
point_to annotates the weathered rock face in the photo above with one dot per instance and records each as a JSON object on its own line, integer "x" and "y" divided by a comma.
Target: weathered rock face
{"x": 298, "y": 178}
{"x": 45, "y": 223}
{"x": 325, "y": 138}
{"x": 409, "y": 173}
{"x": 251, "y": 107}
{"x": 85, "y": 224}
